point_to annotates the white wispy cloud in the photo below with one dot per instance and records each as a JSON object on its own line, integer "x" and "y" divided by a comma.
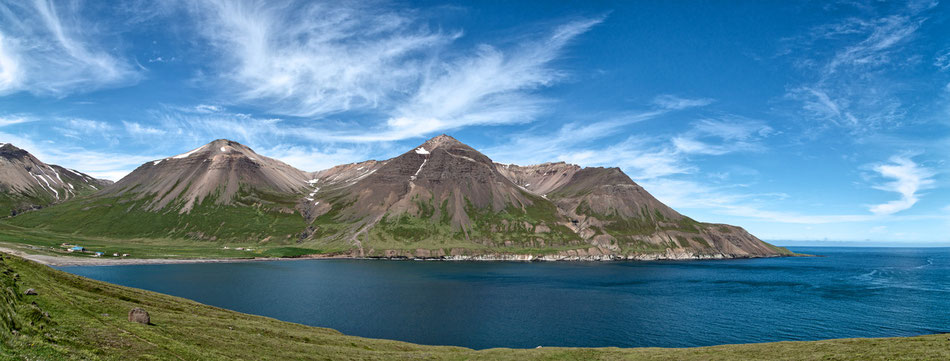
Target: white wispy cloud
{"x": 908, "y": 179}
{"x": 726, "y": 200}
{"x": 317, "y": 60}
{"x": 883, "y": 35}
{"x": 137, "y": 129}
{"x": 10, "y": 73}
{"x": 572, "y": 141}
{"x": 6, "y": 120}
{"x": 941, "y": 61}
{"x": 312, "y": 158}
{"x": 722, "y": 136}
{"x": 851, "y": 86}
{"x": 80, "y": 128}
{"x": 206, "y": 108}
{"x": 643, "y": 158}
{"x": 673, "y": 102}
{"x": 490, "y": 87}
{"x": 49, "y": 49}
{"x": 87, "y": 125}
{"x": 729, "y": 200}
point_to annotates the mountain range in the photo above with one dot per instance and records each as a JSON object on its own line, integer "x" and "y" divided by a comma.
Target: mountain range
{"x": 442, "y": 199}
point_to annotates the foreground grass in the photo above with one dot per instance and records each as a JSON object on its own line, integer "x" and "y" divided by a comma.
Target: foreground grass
{"x": 77, "y": 318}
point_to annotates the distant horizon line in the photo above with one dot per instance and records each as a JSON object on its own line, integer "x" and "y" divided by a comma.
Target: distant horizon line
{"x": 864, "y": 243}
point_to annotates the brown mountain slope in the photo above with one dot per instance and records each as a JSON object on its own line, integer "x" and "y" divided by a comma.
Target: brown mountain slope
{"x": 428, "y": 193}
{"x": 28, "y": 183}
{"x": 220, "y": 169}
{"x": 220, "y": 191}
{"x": 611, "y": 210}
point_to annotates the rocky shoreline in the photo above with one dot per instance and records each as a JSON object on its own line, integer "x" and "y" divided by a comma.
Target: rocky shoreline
{"x": 564, "y": 258}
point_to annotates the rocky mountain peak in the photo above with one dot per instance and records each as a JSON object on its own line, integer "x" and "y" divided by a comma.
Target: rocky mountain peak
{"x": 217, "y": 148}
{"x": 10, "y": 151}
{"x": 443, "y": 141}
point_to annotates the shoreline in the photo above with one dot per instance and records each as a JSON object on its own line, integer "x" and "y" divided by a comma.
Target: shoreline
{"x": 67, "y": 261}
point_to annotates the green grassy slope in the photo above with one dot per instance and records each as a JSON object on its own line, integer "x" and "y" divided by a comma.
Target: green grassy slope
{"x": 259, "y": 217}
{"x": 12, "y": 203}
{"x": 74, "y": 318}
{"x": 533, "y": 229}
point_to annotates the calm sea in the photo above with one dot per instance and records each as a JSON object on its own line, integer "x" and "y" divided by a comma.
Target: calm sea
{"x": 849, "y": 292}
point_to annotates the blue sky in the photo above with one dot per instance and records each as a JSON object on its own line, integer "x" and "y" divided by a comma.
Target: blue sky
{"x": 796, "y": 120}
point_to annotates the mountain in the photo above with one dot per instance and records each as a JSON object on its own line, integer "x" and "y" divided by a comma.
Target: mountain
{"x": 445, "y": 199}
{"x": 219, "y": 170}
{"x": 27, "y": 183}
{"x": 440, "y": 195}
{"x": 440, "y": 199}
{"x": 613, "y": 212}
{"x": 222, "y": 190}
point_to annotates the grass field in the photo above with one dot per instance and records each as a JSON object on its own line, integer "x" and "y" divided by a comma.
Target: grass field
{"x": 44, "y": 242}
{"x": 74, "y": 318}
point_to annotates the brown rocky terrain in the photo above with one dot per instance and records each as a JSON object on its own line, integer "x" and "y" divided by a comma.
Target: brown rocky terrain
{"x": 219, "y": 169}
{"x": 440, "y": 171}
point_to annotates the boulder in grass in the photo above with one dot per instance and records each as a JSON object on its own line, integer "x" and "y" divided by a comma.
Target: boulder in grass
{"x": 139, "y": 315}
{"x": 30, "y": 292}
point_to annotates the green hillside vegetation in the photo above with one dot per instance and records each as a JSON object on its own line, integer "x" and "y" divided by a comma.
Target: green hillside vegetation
{"x": 11, "y": 203}
{"x": 511, "y": 230}
{"x": 74, "y": 318}
{"x": 47, "y": 243}
{"x": 256, "y": 216}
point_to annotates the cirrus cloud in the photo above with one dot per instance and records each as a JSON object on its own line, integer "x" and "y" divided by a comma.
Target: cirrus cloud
{"x": 908, "y": 179}
{"x": 47, "y": 49}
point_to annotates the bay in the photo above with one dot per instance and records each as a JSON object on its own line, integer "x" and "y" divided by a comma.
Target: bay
{"x": 847, "y": 292}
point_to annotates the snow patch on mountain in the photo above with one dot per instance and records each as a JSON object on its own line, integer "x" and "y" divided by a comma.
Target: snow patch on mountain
{"x": 186, "y": 155}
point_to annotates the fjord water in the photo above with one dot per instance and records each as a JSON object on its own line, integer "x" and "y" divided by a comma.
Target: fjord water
{"x": 849, "y": 292}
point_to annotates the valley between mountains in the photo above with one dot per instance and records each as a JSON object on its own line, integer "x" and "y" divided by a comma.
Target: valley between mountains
{"x": 440, "y": 200}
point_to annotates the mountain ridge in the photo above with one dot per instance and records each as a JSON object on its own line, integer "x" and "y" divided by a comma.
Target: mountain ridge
{"x": 441, "y": 199}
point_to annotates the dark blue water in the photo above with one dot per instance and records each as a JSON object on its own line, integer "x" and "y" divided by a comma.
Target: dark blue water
{"x": 851, "y": 292}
